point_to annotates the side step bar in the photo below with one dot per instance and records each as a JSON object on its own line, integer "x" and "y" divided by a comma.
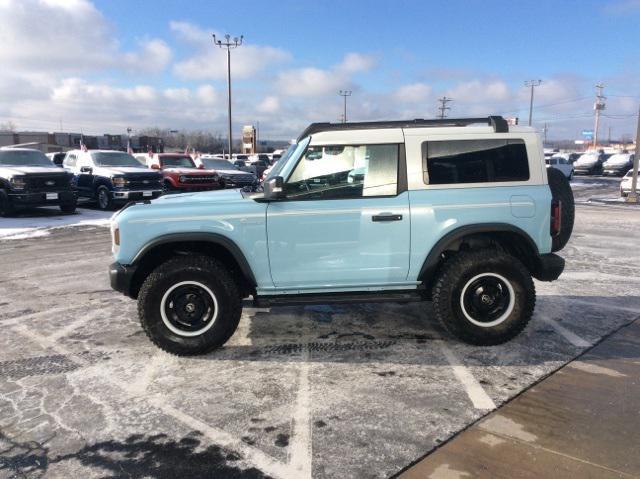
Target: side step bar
{"x": 338, "y": 298}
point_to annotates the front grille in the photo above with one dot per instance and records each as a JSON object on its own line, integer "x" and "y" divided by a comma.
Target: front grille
{"x": 240, "y": 179}
{"x": 48, "y": 182}
{"x": 198, "y": 179}
{"x": 144, "y": 182}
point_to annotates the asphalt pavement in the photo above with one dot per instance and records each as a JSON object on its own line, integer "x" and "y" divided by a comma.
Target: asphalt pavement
{"x": 298, "y": 392}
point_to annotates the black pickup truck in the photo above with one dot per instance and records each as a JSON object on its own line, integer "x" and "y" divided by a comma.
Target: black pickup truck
{"x": 28, "y": 178}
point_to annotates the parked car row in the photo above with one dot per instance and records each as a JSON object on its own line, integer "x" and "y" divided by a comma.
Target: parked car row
{"x": 110, "y": 178}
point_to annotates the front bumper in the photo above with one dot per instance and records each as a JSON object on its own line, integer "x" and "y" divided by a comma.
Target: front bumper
{"x": 615, "y": 171}
{"x": 27, "y": 198}
{"x": 549, "y": 267}
{"x": 121, "y": 278}
{"x": 134, "y": 195}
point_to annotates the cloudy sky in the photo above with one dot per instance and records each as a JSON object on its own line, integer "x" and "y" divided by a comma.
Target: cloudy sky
{"x": 103, "y": 66}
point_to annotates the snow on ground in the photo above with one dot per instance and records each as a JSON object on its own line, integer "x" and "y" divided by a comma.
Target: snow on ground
{"x": 38, "y": 222}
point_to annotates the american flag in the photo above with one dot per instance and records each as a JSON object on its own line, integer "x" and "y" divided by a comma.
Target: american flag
{"x": 129, "y": 149}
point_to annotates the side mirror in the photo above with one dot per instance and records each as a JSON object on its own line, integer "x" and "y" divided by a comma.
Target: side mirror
{"x": 86, "y": 169}
{"x": 201, "y": 166}
{"x": 155, "y": 166}
{"x": 274, "y": 188}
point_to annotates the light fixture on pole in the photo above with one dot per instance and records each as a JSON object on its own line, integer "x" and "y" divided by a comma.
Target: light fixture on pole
{"x": 229, "y": 44}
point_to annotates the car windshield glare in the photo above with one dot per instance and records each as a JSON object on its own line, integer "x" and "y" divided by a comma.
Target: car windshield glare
{"x": 23, "y": 158}
{"x": 177, "y": 162}
{"x": 219, "y": 164}
{"x": 115, "y": 159}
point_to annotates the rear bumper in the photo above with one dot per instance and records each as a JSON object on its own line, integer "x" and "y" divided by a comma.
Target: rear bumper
{"x": 27, "y": 199}
{"x": 121, "y": 278}
{"x": 549, "y": 268}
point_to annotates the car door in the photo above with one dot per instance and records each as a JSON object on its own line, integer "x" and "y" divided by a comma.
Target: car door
{"x": 344, "y": 221}
{"x": 85, "y": 168}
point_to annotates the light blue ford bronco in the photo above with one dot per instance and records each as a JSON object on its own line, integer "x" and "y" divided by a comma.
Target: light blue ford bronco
{"x": 460, "y": 212}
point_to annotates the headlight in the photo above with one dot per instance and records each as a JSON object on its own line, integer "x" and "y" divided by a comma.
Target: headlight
{"x": 118, "y": 181}
{"x": 18, "y": 183}
{"x": 183, "y": 179}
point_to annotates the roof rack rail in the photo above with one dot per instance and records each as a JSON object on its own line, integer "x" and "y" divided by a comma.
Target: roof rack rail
{"x": 498, "y": 123}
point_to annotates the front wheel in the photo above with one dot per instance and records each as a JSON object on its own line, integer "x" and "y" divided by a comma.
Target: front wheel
{"x": 103, "y": 198}
{"x": 6, "y": 208}
{"x": 189, "y": 305}
{"x": 484, "y": 297}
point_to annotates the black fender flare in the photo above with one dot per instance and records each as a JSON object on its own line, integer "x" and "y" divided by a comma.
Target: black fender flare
{"x": 213, "y": 238}
{"x": 430, "y": 264}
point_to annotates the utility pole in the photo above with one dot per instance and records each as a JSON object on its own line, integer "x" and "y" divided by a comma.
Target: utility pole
{"x": 344, "y": 94}
{"x": 546, "y": 128}
{"x": 633, "y": 194}
{"x": 609, "y": 142}
{"x": 598, "y": 106}
{"x": 443, "y": 106}
{"x": 531, "y": 84}
{"x": 229, "y": 44}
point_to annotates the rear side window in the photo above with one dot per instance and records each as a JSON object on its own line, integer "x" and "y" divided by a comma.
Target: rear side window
{"x": 474, "y": 161}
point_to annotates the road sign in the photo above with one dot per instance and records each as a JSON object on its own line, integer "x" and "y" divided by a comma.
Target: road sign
{"x": 587, "y": 134}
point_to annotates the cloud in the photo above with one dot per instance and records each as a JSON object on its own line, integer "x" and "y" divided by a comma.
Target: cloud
{"x": 312, "y": 81}
{"x": 623, "y": 7}
{"x": 413, "y": 93}
{"x": 210, "y": 62}
{"x": 68, "y": 36}
{"x": 154, "y": 56}
{"x": 356, "y": 63}
{"x": 271, "y": 104}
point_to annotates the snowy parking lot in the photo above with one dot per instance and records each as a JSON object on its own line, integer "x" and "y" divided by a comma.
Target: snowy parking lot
{"x": 323, "y": 391}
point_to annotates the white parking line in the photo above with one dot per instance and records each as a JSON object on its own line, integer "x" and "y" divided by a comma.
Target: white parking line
{"x": 570, "y": 336}
{"x": 605, "y": 306}
{"x": 474, "y": 390}
{"x": 300, "y": 457}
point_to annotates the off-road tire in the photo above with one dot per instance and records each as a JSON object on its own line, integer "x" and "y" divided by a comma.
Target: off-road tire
{"x": 104, "y": 205}
{"x": 201, "y": 269}
{"x": 561, "y": 190}
{"x": 458, "y": 272}
{"x": 6, "y": 208}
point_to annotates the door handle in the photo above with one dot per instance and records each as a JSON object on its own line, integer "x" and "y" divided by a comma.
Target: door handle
{"x": 386, "y": 217}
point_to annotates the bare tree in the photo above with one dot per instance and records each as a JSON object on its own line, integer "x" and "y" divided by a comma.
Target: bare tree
{"x": 7, "y": 127}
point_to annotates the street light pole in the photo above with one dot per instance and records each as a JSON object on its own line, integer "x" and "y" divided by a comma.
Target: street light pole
{"x": 229, "y": 44}
{"x": 531, "y": 84}
{"x": 344, "y": 94}
{"x": 633, "y": 194}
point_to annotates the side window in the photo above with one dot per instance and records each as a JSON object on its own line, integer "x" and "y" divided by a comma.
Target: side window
{"x": 474, "y": 161}
{"x": 70, "y": 160}
{"x": 345, "y": 171}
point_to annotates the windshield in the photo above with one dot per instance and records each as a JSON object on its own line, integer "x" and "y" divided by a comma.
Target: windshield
{"x": 588, "y": 158}
{"x": 620, "y": 158}
{"x": 177, "y": 162}
{"x": 277, "y": 167}
{"x": 23, "y": 158}
{"x": 115, "y": 158}
{"x": 219, "y": 164}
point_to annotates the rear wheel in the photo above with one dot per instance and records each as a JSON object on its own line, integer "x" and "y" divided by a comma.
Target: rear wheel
{"x": 189, "y": 305}
{"x": 484, "y": 297}
{"x": 561, "y": 191}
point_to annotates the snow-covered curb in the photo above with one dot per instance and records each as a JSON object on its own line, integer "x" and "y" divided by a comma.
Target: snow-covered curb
{"x": 37, "y": 223}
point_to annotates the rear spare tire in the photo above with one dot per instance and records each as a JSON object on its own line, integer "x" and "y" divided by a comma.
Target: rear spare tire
{"x": 561, "y": 191}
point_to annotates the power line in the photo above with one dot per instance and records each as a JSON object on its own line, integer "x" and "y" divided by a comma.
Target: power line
{"x": 443, "y": 108}
{"x": 344, "y": 94}
{"x": 598, "y": 106}
{"x": 531, "y": 84}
